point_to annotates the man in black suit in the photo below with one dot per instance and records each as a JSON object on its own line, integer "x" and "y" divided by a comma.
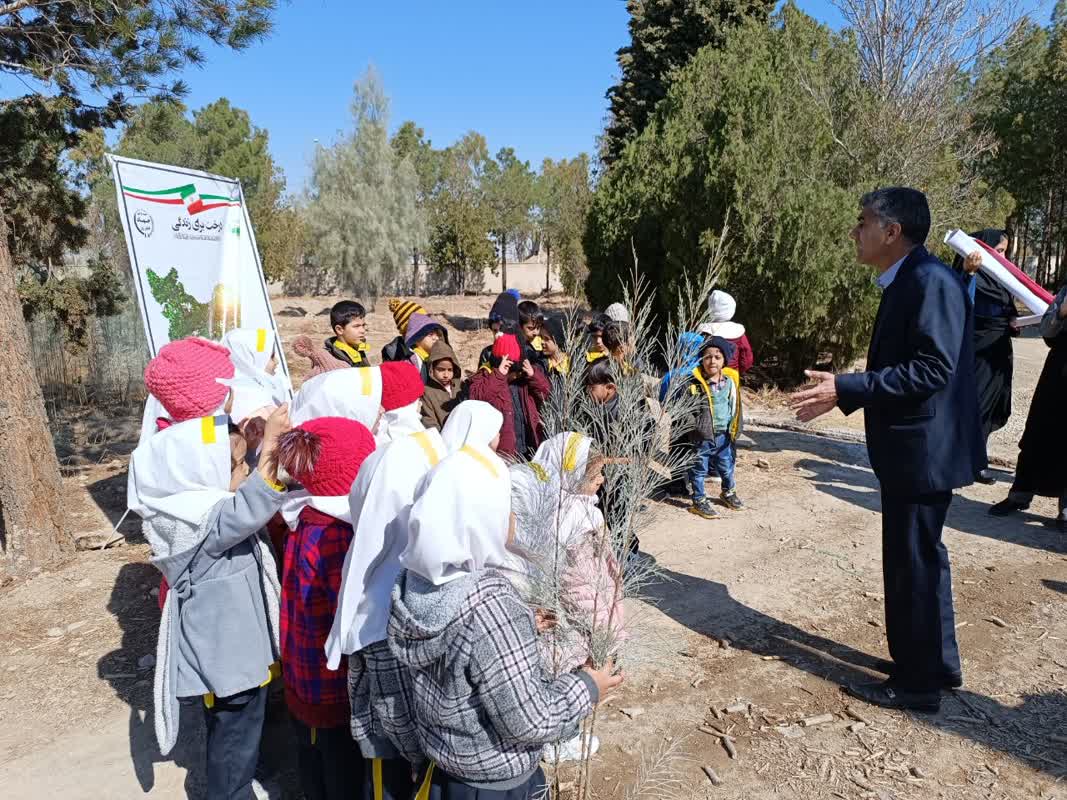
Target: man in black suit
{"x": 923, "y": 437}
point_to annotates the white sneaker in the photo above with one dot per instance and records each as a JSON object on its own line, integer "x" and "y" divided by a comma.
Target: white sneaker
{"x": 570, "y": 750}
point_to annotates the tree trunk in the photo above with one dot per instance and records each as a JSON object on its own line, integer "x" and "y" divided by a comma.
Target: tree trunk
{"x": 32, "y": 523}
{"x": 504, "y": 261}
{"x": 415, "y": 271}
{"x": 548, "y": 268}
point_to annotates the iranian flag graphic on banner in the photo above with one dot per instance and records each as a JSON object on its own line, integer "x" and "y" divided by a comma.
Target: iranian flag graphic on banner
{"x": 186, "y": 195}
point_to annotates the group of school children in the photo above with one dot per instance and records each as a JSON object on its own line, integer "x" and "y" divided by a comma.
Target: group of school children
{"x": 413, "y": 666}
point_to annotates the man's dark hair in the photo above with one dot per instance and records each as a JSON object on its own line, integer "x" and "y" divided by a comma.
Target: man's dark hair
{"x": 529, "y": 312}
{"x": 904, "y": 206}
{"x": 344, "y": 312}
{"x": 599, "y": 373}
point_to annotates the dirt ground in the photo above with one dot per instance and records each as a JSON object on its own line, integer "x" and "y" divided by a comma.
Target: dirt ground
{"x": 758, "y": 620}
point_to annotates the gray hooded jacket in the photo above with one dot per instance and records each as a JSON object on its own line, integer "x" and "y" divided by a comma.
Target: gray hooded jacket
{"x": 484, "y": 703}
{"x": 219, "y": 629}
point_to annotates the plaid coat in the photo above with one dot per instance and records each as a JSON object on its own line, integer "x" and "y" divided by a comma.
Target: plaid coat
{"x": 383, "y": 719}
{"x": 311, "y": 580}
{"x": 484, "y": 703}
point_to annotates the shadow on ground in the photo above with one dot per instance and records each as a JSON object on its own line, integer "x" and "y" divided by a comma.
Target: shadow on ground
{"x": 138, "y": 615}
{"x": 706, "y": 607}
{"x": 841, "y": 470}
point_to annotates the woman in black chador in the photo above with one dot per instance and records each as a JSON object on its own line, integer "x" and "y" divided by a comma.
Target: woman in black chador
{"x": 1042, "y": 467}
{"x": 994, "y": 327}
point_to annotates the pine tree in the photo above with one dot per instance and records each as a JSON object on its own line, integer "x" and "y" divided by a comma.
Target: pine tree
{"x": 363, "y": 214}
{"x": 664, "y": 37}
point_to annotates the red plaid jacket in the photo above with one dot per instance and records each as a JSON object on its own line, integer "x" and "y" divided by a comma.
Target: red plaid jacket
{"x": 311, "y": 580}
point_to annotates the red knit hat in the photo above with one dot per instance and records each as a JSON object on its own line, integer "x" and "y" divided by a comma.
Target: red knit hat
{"x": 183, "y": 377}
{"x": 325, "y": 454}
{"x": 401, "y": 384}
{"x": 507, "y": 345}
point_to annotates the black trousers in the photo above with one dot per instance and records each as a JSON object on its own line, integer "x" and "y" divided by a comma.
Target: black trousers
{"x": 919, "y": 620}
{"x": 387, "y": 779}
{"x": 329, "y": 761}
{"x": 443, "y": 786}
{"x": 234, "y": 728}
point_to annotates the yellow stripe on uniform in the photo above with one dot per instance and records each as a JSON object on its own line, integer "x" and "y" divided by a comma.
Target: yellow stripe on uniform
{"x": 207, "y": 430}
{"x": 424, "y": 789}
{"x": 379, "y": 790}
{"x": 481, "y": 459}
{"x": 570, "y": 452}
{"x": 366, "y": 382}
{"x": 423, "y": 438}
{"x": 261, "y": 340}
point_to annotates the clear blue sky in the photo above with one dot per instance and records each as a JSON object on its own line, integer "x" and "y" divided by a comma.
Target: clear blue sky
{"x": 529, "y": 75}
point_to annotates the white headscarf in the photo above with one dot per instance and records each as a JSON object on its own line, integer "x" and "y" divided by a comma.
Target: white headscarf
{"x": 471, "y": 422}
{"x": 564, "y": 457}
{"x": 721, "y": 308}
{"x": 251, "y": 351}
{"x": 250, "y": 399}
{"x": 459, "y": 522}
{"x": 400, "y": 422}
{"x": 354, "y": 393}
{"x": 181, "y": 472}
{"x": 380, "y": 502}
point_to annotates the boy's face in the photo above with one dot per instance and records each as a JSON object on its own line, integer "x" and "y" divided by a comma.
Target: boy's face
{"x": 602, "y": 392}
{"x": 531, "y": 330}
{"x": 495, "y": 325}
{"x": 598, "y": 342}
{"x": 443, "y": 371}
{"x": 354, "y": 333}
{"x": 427, "y": 342}
{"x": 549, "y": 346}
{"x": 712, "y": 362}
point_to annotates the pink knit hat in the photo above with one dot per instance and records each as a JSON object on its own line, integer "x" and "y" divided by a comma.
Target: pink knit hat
{"x": 325, "y": 454}
{"x": 321, "y": 361}
{"x": 183, "y": 377}
{"x": 401, "y": 384}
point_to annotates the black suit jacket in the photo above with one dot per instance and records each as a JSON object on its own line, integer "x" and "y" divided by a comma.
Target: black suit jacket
{"x": 919, "y": 395}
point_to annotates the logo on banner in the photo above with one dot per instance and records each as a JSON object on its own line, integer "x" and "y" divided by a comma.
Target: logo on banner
{"x": 144, "y": 223}
{"x": 187, "y": 195}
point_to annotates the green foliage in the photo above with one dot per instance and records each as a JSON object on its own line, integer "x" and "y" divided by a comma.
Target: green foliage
{"x": 116, "y": 49}
{"x": 1021, "y": 94}
{"x": 72, "y": 301}
{"x": 510, "y": 193}
{"x": 738, "y": 133}
{"x": 564, "y": 198}
{"x": 664, "y": 36}
{"x": 779, "y": 127}
{"x": 362, "y": 216}
{"x": 460, "y": 216}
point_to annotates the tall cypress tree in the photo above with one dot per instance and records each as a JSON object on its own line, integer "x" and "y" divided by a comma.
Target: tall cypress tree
{"x": 664, "y": 36}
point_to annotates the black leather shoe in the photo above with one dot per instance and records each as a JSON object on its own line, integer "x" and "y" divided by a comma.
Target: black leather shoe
{"x": 888, "y": 695}
{"x": 951, "y": 680}
{"x": 986, "y": 477}
{"x": 1007, "y": 506}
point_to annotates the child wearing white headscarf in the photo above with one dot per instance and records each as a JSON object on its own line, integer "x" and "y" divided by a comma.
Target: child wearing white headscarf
{"x": 381, "y": 499}
{"x": 254, "y": 353}
{"x": 203, "y": 517}
{"x": 483, "y": 702}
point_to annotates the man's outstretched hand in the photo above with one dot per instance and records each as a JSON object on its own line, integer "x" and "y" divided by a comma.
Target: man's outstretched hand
{"x": 816, "y": 400}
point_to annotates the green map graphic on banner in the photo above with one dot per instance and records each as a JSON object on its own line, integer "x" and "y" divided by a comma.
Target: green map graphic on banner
{"x": 187, "y": 316}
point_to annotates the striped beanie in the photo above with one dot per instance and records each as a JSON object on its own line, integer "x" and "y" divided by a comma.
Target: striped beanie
{"x": 402, "y": 311}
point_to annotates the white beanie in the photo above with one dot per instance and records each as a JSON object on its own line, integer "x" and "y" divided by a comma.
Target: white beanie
{"x": 617, "y": 312}
{"x": 721, "y": 306}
